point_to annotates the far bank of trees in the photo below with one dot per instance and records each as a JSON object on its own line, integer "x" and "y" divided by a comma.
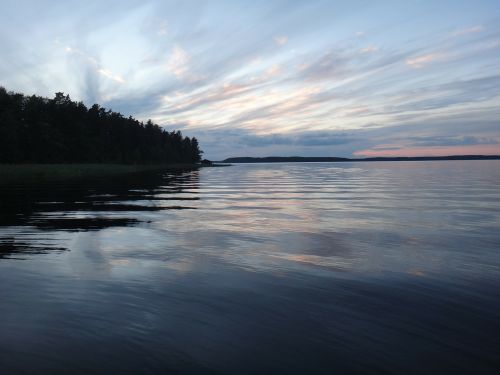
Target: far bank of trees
{"x": 35, "y": 129}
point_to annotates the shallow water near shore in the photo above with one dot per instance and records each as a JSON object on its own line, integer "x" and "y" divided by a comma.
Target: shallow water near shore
{"x": 390, "y": 267}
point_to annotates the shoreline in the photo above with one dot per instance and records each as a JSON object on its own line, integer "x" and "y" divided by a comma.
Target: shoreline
{"x": 327, "y": 159}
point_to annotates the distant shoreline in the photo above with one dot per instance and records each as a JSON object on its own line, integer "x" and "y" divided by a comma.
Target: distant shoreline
{"x": 304, "y": 159}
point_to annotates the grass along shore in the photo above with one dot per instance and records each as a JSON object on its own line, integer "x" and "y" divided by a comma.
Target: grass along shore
{"x": 39, "y": 173}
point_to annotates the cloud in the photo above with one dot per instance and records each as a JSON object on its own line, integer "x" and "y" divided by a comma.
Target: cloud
{"x": 92, "y": 61}
{"x": 420, "y": 61}
{"x": 162, "y": 29}
{"x": 369, "y": 49}
{"x": 178, "y": 61}
{"x": 109, "y": 74}
{"x": 141, "y": 104}
{"x": 91, "y": 85}
{"x": 436, "y": 136}
{"x": 464, "y": 140}
{"x": 281, "y": 40}
{"x": 441, "y": 96}
{"x": 324, "y": 139}
{"x": 297, "y": 139}
{"x": 189, "y": 65}
{"x": 329, "y": 65}
{"x": 463, "y": 134}
{"x": 470, "y": 30}
{"x": 273, "y": 71}
{"x": 430, "y": 151}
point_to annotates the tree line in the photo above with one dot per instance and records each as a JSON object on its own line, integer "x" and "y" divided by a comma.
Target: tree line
{"x": 35, "y": 129}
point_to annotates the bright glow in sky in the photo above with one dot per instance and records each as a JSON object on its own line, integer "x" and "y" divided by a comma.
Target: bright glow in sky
{"x": 261, "y": 78}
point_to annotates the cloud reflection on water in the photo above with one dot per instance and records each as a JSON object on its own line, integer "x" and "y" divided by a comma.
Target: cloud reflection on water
{"x": 287, "y": 267}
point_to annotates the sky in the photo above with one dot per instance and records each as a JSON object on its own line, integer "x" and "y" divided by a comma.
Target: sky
{"x": 266, "y": 78}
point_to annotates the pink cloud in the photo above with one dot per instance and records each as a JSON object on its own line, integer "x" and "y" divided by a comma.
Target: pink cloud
{"x": 470, "y": 30}
{"x": 420, "y": 61}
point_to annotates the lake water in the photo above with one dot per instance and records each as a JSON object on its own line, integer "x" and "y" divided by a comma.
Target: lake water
{"x": 389, "y": 267}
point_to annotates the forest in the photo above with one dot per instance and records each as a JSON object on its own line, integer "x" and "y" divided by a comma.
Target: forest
{"x": 36, "y": 129}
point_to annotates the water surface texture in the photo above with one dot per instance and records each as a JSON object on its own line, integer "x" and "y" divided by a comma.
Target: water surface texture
{"x": 389, "y": 267}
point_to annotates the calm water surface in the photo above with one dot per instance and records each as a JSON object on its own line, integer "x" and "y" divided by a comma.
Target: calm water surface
{"x": 261, "y": 268}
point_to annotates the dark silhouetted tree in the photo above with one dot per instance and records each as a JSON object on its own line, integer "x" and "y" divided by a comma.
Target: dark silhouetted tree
{"x": 34, "y": 129}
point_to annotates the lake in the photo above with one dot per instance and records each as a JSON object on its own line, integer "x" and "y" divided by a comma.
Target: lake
{"x": 390, "y": 267}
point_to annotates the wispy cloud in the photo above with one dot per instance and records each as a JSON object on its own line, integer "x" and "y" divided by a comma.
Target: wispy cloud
{"x": 369, "y": 49}
{"x": 162, "y": 29}
{"x": 281, "y": 40}
{"x": 109, "y": 74}
{"x": 273, "y": 71}
{"x": 423, "y": 60}
{"x": 92, "y": 61}
{"x": 281, "y": 77}
{"x": 469, "y": 30}
{"x": 465, "y": 140}
{"x": 430, "y": 151}
{"x": 329, "y": 65}
{"x": 178, "y": 61}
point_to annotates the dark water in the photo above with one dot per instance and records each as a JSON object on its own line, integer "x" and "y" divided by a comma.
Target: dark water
{"x": 280, "y": 268}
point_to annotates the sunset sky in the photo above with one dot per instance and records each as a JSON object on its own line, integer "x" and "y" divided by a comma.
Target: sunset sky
{"x": 261, "y": 78}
